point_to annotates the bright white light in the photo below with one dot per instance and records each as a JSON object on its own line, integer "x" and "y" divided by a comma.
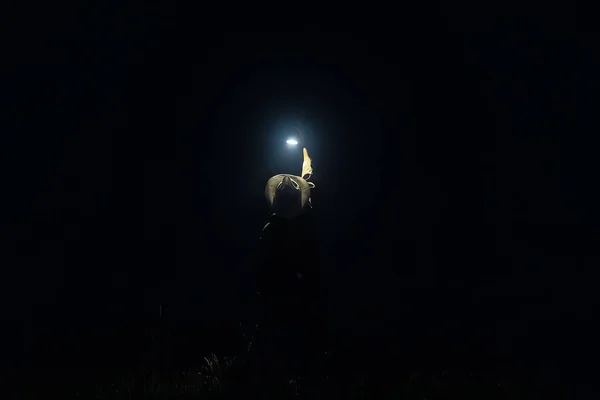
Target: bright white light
{"x": 292, "y": 141}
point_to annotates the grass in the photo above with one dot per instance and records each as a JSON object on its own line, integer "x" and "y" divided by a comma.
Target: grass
{"x": 218, "y": 377}
{"x": 194, "y": 384}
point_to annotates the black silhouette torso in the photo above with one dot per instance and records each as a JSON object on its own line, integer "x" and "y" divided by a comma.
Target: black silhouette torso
{"x": 291, "y": 292}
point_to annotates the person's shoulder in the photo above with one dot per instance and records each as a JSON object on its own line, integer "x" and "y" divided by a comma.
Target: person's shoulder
{"x": 272, "y": 223}
{"x": 282, "y": 228}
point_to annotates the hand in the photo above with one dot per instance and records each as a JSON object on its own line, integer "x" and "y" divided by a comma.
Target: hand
{"x": 306, "y": 165}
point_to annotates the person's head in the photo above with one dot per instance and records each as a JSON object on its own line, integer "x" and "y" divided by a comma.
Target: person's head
{"x": 288, "y": 195}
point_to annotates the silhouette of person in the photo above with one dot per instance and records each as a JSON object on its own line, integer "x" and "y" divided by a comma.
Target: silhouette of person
{"x": 289, "y": 280}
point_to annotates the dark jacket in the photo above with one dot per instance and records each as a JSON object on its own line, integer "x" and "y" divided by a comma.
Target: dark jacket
{"x": 289, "y": 279}
{"x": 293, "y": 297}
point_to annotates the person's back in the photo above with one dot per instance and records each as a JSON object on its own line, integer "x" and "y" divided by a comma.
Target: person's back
{"x": 293, "y": 299}
{"x": 288, "y": 275}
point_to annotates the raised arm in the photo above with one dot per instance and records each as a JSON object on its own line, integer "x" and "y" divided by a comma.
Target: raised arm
{"x": 306, "y": 165}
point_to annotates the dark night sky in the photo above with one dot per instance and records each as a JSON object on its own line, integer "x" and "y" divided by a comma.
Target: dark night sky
{"x": 454, "y": 164}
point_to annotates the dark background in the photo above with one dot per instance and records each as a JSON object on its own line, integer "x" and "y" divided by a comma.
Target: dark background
{"x": 454, "y": 153}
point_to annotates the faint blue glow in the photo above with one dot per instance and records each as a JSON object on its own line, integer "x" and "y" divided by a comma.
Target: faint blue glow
{"x": 292, "y": 141}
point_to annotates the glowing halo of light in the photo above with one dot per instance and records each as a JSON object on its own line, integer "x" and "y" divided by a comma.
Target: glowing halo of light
{"x": 292, "y": 142}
